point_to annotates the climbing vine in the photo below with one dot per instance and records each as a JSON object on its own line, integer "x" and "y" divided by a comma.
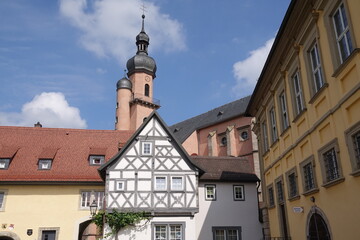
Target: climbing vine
{"x": 118, "y": 220}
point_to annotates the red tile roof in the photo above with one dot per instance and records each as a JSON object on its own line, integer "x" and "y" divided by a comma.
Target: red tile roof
{"x": 69, "y": 148}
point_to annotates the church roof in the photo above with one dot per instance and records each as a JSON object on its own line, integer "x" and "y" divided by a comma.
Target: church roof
{"x": 69, "y": 150}
{"x": 184, "y": 129}
{"x": 225, "y": 169}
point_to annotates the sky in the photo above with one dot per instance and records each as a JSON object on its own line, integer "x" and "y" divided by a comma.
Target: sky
{"x": 60, "y": 60}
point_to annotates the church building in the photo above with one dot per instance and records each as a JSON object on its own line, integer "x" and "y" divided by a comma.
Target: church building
{"x": 49, "y": 177}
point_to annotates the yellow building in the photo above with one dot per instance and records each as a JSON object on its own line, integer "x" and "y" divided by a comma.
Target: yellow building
{"x": 307, "y": 108}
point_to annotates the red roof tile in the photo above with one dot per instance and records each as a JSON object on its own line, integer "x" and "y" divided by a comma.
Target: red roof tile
{"x": 69, "y": 149}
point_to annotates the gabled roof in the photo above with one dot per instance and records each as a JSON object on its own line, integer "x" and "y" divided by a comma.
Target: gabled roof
{"x": 176, "y": 144}
{"x": 225, "y": 169}
{"x": 69, "y": 149}
{"x": 184, "y": 129}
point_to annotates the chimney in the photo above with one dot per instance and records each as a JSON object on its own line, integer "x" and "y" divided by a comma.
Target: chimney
{"x": 38, "y": 125}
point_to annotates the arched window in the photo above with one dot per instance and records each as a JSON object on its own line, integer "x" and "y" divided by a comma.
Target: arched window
{"x": 147, "y": 90}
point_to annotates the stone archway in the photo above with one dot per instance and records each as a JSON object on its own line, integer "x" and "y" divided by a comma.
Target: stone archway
{"x": 8, "y": 236}
{"x": 88, "y": 231}
{"x": 318, "y": 227}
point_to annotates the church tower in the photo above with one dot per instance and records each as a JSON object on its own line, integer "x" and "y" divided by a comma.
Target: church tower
{"x": 135, "y": 94}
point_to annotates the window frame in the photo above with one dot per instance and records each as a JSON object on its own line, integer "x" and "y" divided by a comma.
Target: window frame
{"x": 143, "y": 148}
{"x": 44, "y": 161}
{"x": 353, "y": 155}
{"x": 94, "y": 157}
{"x": 284, "y": 111}
{"x": 168, "y": 226}
{"x": 214, "y": 192}
{"x": 182, "y": 183}
{"x": 273, "y": 125}
{"x": 117, "y": 185}
{"x": 44, "y": 229}
{"x": 265, "y": 141}
{"x": 292, "y": 195}
{"x": 329, "y": 180}
{"x": 297, "y": 94}
{"x": 90, "y": 196}
{"x": 316, "y": 70}
{"x": 226, "y": 230}
{"x": 5, "y": 162}
{"x": 242, "y": 198}
{"x": 270, "y": 195}
{"x": 3, "y": 192}
{"x": 345, "y": 34}
{"x": 156, "y": 186}
{"x": 310, "y": 160}
{"x": 280, "y": 195}
{"x": 329, "y": 11}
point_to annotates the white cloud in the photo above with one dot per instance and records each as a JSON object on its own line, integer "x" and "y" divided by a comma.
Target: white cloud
{"x": 109, "y": 27}
{"x": 246, "y": 72}
{"x": 50, "y": 109}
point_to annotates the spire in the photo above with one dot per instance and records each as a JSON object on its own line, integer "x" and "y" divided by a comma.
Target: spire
{"x": 142, "y": 39}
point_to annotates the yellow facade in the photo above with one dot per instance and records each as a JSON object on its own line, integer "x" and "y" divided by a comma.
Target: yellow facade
{"x": 43, "y": 207}
{"x": 308, "y": 161}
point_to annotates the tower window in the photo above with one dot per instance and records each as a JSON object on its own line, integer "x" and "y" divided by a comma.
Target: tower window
{"x": 147, "y": 90}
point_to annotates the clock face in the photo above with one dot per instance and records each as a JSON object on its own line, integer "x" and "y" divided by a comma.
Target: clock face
{"x": 147, "y": 78}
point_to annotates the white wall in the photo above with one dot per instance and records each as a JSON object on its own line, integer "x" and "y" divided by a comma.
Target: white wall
{"x": 227, "y": 212}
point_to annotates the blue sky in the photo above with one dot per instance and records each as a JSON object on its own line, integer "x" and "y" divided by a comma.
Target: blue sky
{"x": 60, "y": 60}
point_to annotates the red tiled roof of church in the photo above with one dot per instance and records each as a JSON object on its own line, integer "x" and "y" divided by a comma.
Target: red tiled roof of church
{"x": 69, "y": 148}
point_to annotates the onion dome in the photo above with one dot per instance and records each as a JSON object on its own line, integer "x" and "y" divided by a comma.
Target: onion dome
{"x": 124, "y": 83}
{"x": 141, "y": 62}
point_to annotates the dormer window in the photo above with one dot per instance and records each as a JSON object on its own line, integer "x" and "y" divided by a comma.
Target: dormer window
{"x": 45, "y": 164}
{"x": 96, "y": 159}
{"x": 4, "y": 163}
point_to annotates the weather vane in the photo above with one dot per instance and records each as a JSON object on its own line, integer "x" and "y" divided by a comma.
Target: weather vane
{"x": 143, "y": 8}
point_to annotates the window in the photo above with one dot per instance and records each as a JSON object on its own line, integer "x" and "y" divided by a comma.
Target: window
{"x": 168, "y": 231}
{"x": 4, "y": 163}
{"x": 353, "y": 143}
{"x": 298, "y": 95}
{"x": 329, "y": 160}
{"x": 239, "y": 193}
{"x": 226, "y": 233}
{"x": 292, "y": 183}
{"x": 317, "y": 76}
{"x": 244, "y": 135}
{"x": 120, "y": 185}
{"x": 308, "y": 175}
{"x": 177, "y": 183}
{"x": 87, "y": 197}
{"x": 265, "y": 136}
{"x": 147, "y": 90}
{"x": 271, "y": 200}
{"x": 280, "y": 191}
{"x": 210, "y": 192}
{"x": 2, "y": 200}
{"x": 284, "y": 111}
{"x": 223, "y": 141}
{"x": 49, "y": 233}
{"x": 160, "y": 183}
{"x": 342, "y": 33}
{"x": 96, "y": 159}
{"x": 146, "y": 148}
{"x": 274, "y": 135}
{"x": 45, "y": 164}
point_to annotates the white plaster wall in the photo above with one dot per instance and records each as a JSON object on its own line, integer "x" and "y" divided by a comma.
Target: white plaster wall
{"x": 227, "y": 212}
{"x": 143, "y": 230}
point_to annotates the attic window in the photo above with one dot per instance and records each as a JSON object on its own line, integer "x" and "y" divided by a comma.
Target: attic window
{"x": 45, "y": 164}
{"x": 146, "y": 148}
{"x": 4, "y": 163}
{"x": 176, "y": 130}
{"x": 96, "y": 159}
{"x": 220, "y": 113}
